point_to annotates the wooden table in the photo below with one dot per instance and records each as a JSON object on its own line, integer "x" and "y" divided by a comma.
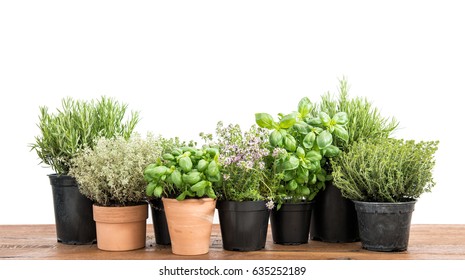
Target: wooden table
{"x": 38, "y": 242}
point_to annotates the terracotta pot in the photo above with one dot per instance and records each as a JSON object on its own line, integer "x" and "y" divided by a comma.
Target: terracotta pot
{"x": 190, "y": 224}
{"x": 121, "y": 228}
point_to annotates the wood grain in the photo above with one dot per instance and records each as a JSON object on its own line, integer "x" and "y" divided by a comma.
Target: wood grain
{"x": 427, "y": 242}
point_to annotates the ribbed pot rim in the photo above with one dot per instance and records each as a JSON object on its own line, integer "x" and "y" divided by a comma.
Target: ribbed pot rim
{"x": 122, "y": 214}
{"x": 385, "y": 207}
{"x": 241, "y": 206}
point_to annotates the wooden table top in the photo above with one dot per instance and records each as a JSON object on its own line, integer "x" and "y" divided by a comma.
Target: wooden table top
{"x": 427, "y": 242}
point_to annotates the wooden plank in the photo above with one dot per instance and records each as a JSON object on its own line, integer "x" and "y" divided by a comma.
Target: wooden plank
{"x": 427, "y": 242}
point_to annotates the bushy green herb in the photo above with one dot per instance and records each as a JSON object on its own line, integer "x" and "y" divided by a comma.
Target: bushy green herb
{"x": 182, "y": 172}
{"x": 385, "y": 170}
{"x": 243, "y": 158}
{"x": 364, "y": 120}
{"x": 77, "y": 125}
{"x": 112, "y": 173}
{"x": 301, "y": 144}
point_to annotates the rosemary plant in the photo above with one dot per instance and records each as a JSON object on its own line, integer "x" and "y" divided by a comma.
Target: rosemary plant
{"x": 77, "y": 125}
{"x": 364, "y": 120}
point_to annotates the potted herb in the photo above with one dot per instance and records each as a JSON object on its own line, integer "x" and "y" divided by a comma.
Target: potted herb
{"x": 111, "y": 174}
{"x": 244, "y": 192}
{"x": 334, "y": 218}
{"x": 384, "y": 178}
{"x": 63, "y": 134}
{"x": 185, "y": 178}
{"x": 301, "y": 145}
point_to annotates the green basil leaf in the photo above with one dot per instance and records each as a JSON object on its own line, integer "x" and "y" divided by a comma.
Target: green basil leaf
{"x": 292, "y": 185}
{"x": 325, "y": 118}
{"x": 301, "y": 127}
{"x": 304, "y": 107}
{"x": 300, "y": 152}
{"x": 213, "y": 152}
{"x": 341, "y": 118}
{"x": 212, "y": 168}
{"x": 287, "y": 121}
{"x": 176, "y": 178}
{"x": 215, "y": 178}
{"x": 309, "y": 140}
{"x": 324, "y": 139}
{"x": 289, "y": 143}
{"x": 331, "y": 151}
{"x": 276, "y": 138}
{"x": 341, "y": 133}
{"x": 210, "y": 193}
{"x": 158, "y": 191}
{"x": 182, "y": 196}
{"x": 314, "y": 121}
{"x": 313, "y": 156}
{"x": 264, "y": 120}
{"x": 304, "y": 190}
{"x": 199, "y": 185}
{"x": 150, "y": 188}
{"x": 191, "y": 178}
{"x": 291, "y": 164}
{"x": 202, "y": 165}
{"x": 185, "y": 163}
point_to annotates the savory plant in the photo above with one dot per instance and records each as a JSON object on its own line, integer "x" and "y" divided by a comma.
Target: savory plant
{"x": 243, "y": 158}
{"x": 301, "y": 144}
{"x": 77, "y": 125}
{"x": 183, "y": 172}
{"x": 112, "y": 172}
{"x": 385, "y": 170}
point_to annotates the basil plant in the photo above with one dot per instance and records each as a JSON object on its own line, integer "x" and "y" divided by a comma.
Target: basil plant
{"x": 184, "y": 172}
{"x": 301, "y": 144}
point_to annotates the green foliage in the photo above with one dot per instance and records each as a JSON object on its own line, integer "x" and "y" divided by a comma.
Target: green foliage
{"x": 364, "y": 120}
{"x": 112, "y": 173}
{"x": 77, "y": 125}
{"x": 243, "y": 158}
{"x": 385, "y": 170}
{"x": 183, "y": 171}
{"x": 301, "y": 143}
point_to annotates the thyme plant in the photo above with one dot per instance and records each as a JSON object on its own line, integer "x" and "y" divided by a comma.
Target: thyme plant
{"x": 112, "y": 172}
{"x": 243, "y": 156}
{"x": 77, "y": 125}
{"x": 385, "y": 170}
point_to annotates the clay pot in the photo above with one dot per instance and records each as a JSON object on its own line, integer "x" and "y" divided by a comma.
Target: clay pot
{"x": 121, "y": 228}
{"x": 190, "y": 224}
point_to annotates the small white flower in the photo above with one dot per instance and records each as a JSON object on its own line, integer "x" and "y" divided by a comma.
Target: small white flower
{"x": 270, "y": 205}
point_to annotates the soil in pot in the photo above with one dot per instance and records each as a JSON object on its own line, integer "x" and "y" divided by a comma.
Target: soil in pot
{"x": 73, "y": 212}
{"x": 290, "y": 225}
{"x": 121, "y": 228}
{"x": 190, "y": 224}
{"x": 384, "y": 226}
{"x": 160, "y": 226}
{"x": 334, "y": 218}
{"x": 244, "y": 225}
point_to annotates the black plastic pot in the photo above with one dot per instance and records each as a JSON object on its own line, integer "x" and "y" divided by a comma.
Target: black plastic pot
{"x": 73, "y": 212}
{"x": 290, "y": 225}
{"x": 160, "y": 226}
{"x": 384, "y": 226}
{"x": 244, "y": 225}
{"x": 334, "y": 218}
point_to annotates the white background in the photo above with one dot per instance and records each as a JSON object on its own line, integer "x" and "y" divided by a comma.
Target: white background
{"x": 187, "y": 64}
